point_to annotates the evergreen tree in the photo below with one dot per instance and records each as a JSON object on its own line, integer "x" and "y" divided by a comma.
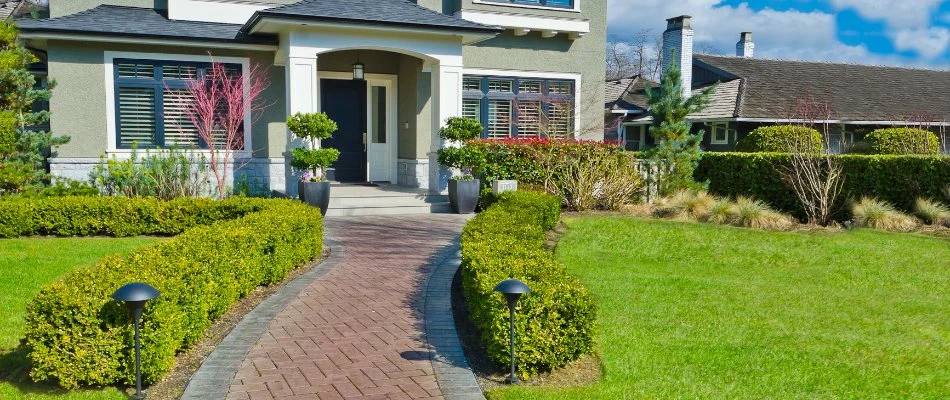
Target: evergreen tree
{"x": 24, "y": 148}
{"x": 677, "y": 151}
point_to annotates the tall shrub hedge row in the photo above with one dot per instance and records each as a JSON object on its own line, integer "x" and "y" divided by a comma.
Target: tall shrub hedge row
{"x": 899, "y": 180}
{"x": 555, "y": 322}
{"x": 78, "y": 335}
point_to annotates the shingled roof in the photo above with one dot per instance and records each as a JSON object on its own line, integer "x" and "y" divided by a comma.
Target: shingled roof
{"x": 106, "y": 20}
{"x": 372, "y": 12}
{"x": 722, "y": 102}
{"x": 770, "y": 89}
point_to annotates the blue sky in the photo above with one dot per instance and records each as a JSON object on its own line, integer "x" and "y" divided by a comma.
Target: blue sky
{"x": 881, "y": 32}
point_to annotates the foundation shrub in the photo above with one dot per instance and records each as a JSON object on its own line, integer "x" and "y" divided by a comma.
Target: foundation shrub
{"x": 78, "y": 335}
{"x": 903, "y": 141}
{"x": 780, "y": 139}
{"x": 555, "y": 322}
{"x": 898, "y": 180}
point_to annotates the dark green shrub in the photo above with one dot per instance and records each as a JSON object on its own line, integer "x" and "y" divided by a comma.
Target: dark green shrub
{"x": 898, "y": 180}
{"x": 555, "y": 323}
{"x": 78, "y": 335}
{"x": 780, "y": 139}
{"x": 903, "y": 141}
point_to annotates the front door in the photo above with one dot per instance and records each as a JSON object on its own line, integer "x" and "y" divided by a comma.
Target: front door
{"x": 344, "y": 101}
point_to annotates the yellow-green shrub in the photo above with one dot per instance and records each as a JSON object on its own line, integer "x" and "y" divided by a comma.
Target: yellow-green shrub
{"x": 555, "y": 322}
{"x": 78, "y": 335}
{"x": 903, "y": 141}
{"x": 780, "y": 139}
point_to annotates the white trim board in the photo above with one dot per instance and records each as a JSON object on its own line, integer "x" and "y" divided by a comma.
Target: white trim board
{"x": 577, "y": 5}
{"x": 539, "y": 75}
{"x": 109, "y": 62}
{"x": 204, "y": 44}
{"x": 523, "y": 24}
{"x": 225, "y": 12}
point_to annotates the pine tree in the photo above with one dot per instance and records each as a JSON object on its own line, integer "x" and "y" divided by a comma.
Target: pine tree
{"x": 677, "y": 151}
{"x": 24, "y": 149}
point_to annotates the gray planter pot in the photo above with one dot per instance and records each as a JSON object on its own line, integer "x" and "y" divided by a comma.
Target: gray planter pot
{"x": 463, "y": 195}
{"x": 316, "y": 194}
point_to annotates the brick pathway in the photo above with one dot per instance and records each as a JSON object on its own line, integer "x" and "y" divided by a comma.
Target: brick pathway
{"x": 357, "y": 332}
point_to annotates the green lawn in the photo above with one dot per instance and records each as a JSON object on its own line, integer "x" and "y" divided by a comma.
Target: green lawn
{"x": 704, "y": 311}
{"x": 25, "y": 266}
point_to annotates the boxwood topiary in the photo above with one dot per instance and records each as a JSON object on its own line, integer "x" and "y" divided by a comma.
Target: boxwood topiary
{"x": 779, "y": 138}
{"x": 903, "y": 141}
{"x": 78, "y": 335}
{"x": 555, "y": 321}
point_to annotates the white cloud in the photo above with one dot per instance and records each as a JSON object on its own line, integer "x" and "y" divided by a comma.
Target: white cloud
{"x": 788, "y": 34}
{"x": 897, "y": 13}
{"x": 930, "y": 42}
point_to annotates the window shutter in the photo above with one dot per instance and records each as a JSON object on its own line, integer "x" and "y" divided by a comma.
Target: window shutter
{"x": 560, "y": 119}
{"x": 499, "y": 119}
{"x": 472, "y": 109}
{"x": 529, "y": 119}
{"x": 137, "y": 117}
{"x": 179, "y": 131}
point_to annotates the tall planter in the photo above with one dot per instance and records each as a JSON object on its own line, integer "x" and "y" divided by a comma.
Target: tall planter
{"x": 316, "y": 194}
{"x": 463, "y": 195}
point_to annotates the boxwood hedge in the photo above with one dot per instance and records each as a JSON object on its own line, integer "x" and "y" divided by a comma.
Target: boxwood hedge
{"x": 899, "y": 180}
{"x": 903, "y": 141}
{"x": 555, "y": 322}
{"x": 779, "y": 138}
{"x": 77, "y": 335}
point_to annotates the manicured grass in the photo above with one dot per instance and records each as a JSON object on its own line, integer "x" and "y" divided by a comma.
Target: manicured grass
{"x": 26, "y": 265}
{"x": 704, "y": 311}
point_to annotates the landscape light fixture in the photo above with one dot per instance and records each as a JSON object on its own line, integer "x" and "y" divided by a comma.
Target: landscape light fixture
{"x": 358, "y": 69}
{"x": 512, "y": 289}
{"x": 134, "y": 295}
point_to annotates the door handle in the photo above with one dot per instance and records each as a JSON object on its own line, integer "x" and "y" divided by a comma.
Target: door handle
{"x": 364, "y": 141}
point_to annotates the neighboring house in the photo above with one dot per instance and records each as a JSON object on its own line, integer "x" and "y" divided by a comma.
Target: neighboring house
{"x": 850, "y": 100}
{"x": 120, "y": 66}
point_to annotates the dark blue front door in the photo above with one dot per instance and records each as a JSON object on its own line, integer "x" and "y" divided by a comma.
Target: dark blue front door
{"x": 344, "y": 101}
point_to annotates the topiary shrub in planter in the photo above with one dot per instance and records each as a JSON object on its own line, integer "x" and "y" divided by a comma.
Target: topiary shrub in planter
{"x": 78, "y": 335}
{"x": 903, "y": 141}
{"x": 555, "y": 322}
{"x": 780, "y": 138}
{"x": 314, "y": 127}
{"x": 463, "y": 189}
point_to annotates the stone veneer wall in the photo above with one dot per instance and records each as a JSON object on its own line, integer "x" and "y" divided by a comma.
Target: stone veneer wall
{"x": 414, "y": 173}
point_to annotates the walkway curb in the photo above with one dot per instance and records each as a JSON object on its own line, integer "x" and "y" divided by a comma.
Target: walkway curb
{"x": 213, "y": 379}
{"x": 455, "y": 376}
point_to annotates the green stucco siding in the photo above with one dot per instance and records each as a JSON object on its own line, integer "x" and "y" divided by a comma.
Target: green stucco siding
{"x": 78, "y": 105}
{"x": 559, "y": 54}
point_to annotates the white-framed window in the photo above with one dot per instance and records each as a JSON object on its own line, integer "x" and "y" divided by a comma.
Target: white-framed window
{"x": 721, "y": 133}
{"x": 147, "y": 96}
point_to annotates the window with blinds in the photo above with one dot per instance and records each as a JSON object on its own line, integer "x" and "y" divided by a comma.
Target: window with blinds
{"x": 519, "y": 107}
{"x": 152, "y": 102}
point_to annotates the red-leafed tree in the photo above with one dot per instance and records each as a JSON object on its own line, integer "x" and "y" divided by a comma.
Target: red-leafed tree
{"x": 222, "y": 102}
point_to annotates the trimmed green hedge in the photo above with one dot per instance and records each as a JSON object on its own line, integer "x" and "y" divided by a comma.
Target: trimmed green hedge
{"x": 899, "y": 180}
{"x": 555, "y": 322}
{"x": 777, "y": 139}
{"x": 114, "y": 216}
{"x": 77, "y": 335}
{"x": 903, "y": 141}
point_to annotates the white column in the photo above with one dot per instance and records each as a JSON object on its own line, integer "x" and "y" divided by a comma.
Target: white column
{"x": 301, "y": 87}
{"x": 446, "y": 103}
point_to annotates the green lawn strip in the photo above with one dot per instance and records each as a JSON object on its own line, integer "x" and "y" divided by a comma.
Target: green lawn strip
{"x": 26, "y": 265}
{"x": 705, "y": 311}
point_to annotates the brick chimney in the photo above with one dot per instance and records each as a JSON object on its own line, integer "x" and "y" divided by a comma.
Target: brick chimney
{"x": 745, "y": 48}
{"x": 678, "y": 46}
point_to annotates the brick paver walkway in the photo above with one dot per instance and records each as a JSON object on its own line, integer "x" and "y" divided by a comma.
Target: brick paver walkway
{"x": 357, "y": 332}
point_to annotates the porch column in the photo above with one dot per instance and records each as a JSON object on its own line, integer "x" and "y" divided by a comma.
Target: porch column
{"x": 446, "y": 102}
{"x": 301, "y": 84}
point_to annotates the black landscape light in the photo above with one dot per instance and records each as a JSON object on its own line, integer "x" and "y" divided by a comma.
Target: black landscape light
{"x": 512, "y": 289}
{"x": 134, "y": 295}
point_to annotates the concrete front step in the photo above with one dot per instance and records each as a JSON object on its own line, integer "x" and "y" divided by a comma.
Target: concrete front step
{"x": 353, "y": 200}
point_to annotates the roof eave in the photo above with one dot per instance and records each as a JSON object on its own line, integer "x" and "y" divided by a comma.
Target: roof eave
{"x": 259, "y": 16}
{"x": 70, "y": 34}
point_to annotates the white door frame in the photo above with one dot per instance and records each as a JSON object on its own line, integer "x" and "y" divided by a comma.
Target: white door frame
{"x": 391, "y": 83}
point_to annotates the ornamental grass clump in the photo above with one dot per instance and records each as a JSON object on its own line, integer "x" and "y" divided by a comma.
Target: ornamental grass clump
{"x": 686, "y": 204}
{"x": 752, "y": 213}
{"x": 932, "y": 212}
{"x": 876, "y": 214}
{"x": 720, "y": 212}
